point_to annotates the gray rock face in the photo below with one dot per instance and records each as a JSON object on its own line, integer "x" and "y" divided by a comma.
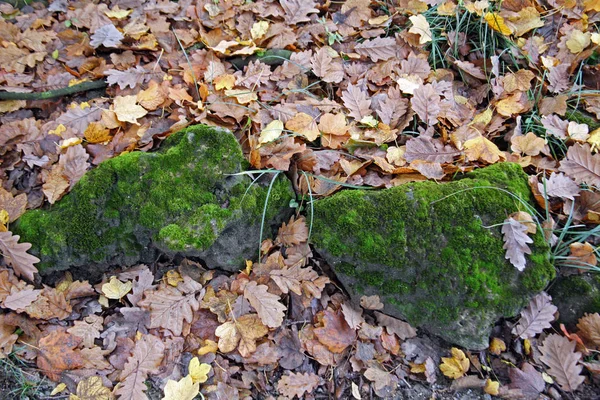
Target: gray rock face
{"x": 180, "y": 200}
{"x": 431, "y": 252}
{"x": 576, "y": 295}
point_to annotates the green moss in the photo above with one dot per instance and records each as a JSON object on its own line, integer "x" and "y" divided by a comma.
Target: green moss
{"x": 576, "y": 295}
{"x": 181, "y": 197}
{"x": 432, "y": 242}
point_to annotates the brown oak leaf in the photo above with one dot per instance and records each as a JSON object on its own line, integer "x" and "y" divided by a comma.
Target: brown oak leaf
{"x": 57, "y": 353}
{"x": 144, "y": 360}
{"x": 559, "y": 354}
{"x": 15, "y": 254}
{"x": 334, "y": 332}
{"x": 270, "y": 311}
{"x": 357, "y": 102}
{"x": 296, "y": 384}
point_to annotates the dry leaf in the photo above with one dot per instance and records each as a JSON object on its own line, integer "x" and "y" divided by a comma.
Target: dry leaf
{"x": 456, "y": 366}
{"x": 581, "y": 165}
{"x": 559, "y": 354}
{"x": 15, "y": 254}
{"x": 371, "y": 302}
{"x": 115, "y": 289}
{"x": 297, "y": 10}
{"x": 559, "y": 185}
{"x": 357, "y": 102}
{"x": 271, "y": 132}
{"x": 14, "y": 206}
{"x": 536, "y": 317}
{"x": 294, "y": 232}
{"x": 145, "y": 358}
{"x": 56, "y": 353}
{"x": 127, "y": 109}
{"x": 334, "y": 332}
{"x": 107, "y": 36}
{"x": 184, "y": 389}
{"x": 241, "y": 333}
{"x": 378, "y": 48}
{"x": 528, "y": 380}
{"x": 421, "y": 27}
{"x": 56, "y": 184}
{"x": 18, "y": 300}
{"x": 402, "y": 329}
{"x": 304, "y": 125}
{"x": 296, "y": 384}
{"x": 582, "y": 254}
{"x": 426, "y": 103}
{"x": 482, "y": 149}
{"x": 91, "y": 388}
{"x": 529, "y": 144}
{"x": 267, "y": 305}
{"x": 515, "y": 242}
{"x": 198, "y": 371}
{"x": 589, "y": 328}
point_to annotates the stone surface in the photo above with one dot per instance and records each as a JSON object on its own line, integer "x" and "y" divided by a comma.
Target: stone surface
{"x": 433, "y": 252}
{"x": 179, "y": 200}
{"x": 576, "y": 295}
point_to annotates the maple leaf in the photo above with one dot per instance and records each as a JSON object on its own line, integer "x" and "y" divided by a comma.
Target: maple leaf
{"x": 144, "y": 360}
{"x": 241, "y": 333}
{"x": 294, "y": 232}
{"x": 383, "y": 380}
{"x": 57, "y": 353}
{"x": 184, "y": 389}
{"x": 536, "y": 317}
{"x": 455, "y": 366}
{"x": 115, "y": 289}
{"x": 515, "y": 242}
{"x": 304, "y": 125}
{"x": 297, "y": 10}
{"x": 198, "y": 371}
{"x": 107, "y": 36}
{"x": 356, "y": 101}
{"x": 127, "y": 109}
{"x": 170, "y": 307}
{"x": 426, "y": 103}
{"x": 378, "y": 48}
{"x": 15, "y": 254}
{"x": 296, "y": 384}
{"x": 559, "y": 354}
{"x": 267, "y": 305}
{"x": 519, "y": 81}
{"x": 581, "y": 165}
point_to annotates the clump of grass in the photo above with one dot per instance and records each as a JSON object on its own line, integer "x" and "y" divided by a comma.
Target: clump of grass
{"x": 20, "y": 384}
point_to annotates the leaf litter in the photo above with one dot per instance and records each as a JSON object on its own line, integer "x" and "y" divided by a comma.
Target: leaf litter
{"x": 360, "y": 76}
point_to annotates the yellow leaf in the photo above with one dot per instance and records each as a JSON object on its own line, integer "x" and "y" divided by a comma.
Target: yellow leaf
{"x": 224, "y": 82}
{"x": 595, "y": 38}
{"x": 127, "y": 109}
{"x": 591, "y": 5}
{"x": 594, "y": 139}
{"x": 526, "y": 220}
{"x": 210, "y": 346}
{"x": 578, "y": 41}
{"x": 243, "y": 96}
{"x": 115, "y": 289}
{"x": 4, "y": 217}
{"x": 70, "y": 142}
{"x": 509, "y": 106}
{"x": 59, "y": 388}
{"x": 198, "y": 372}
{"x": 117, "y": 13}
{"x": 184, "y": 389}
{"x": 58, "y": 130}
{"x": 96, "y": 133}
{"x": 482, "y": 149}
{"x": 152, "y": 97}
{"x": 103, "y": 301}
{"x": 491, "y": 387}
{"x": 421, "y": 27}
{"x": 496, "y": 22}
{"x": 92, "y": 389}
{"x": 11, "y": 105}
{"x": 497, "y": 346}
{"x": 173, "y": 278}
{"x": 457, "y": 366}
{"x": 526, "y": 20}
{"x": 271, "y": 132}
{"x": 304, "y": 125}
{"x": 530, "y": 144}
{"x": 483, "y": 118}
{"x": 259, "y": 29}
{"x": 520, "y": 80}
{"x": 527, "y": 346}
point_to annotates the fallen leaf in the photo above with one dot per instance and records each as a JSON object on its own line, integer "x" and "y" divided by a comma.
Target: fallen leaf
{"x": 304, "y": 125}
{"x": 456, "y": 366}
{"x": 589, "y": 328}
{"x": 353, "y": 316}
{"x": 529, "y": 144}
{"x": 421, "y": 27}
{"x": 515, "y": 242}
{"x": 378, "y": 49}
{"x": 107, "y": 36}
{"x": 559, "y": 354}
{"x": 577, "y": 41}
{"x": 426, "y": 103}
{"x": 56, "y": 184}
{"x": 334, "y": 332}
{"x": 13, "y": 205}
{"x": 115, "y": 289}
{"x": 491, "y": 387}
{"x": 145, "y": 358}
{"x": 127, "y": 109}
{"x": 371, "y": 302}
{"x": 241, "y": 333}
{"x": 296, "y": 384}
{"x": 88, "y": 329}
{"x": 267, "y": 305}
{"x": 91, "y": 388}
{"x": 528, "y": 380}
{"x": 536, "y": 317}
{"x": 559, "y": 185}
{"x": 15, "y": 254}
{"x": 271, "y": 132}
{"x": 581, "y": 165}
{"x": 297, "y": 11}
{"x": 496, "y": 22}
{"x": 18, "y": 300}
{"x": 482, "y": 149}
{"x": 198, "y": 371}
{"x": 294, "y": 232}
{"x": 357, "y": 102}
{"x": 57, "y": 353}
{"x": 184, "y": 389}
{"x": 402, "y": 329}
{"x": 582, "y": 254}
{"x": 497, "y": 346}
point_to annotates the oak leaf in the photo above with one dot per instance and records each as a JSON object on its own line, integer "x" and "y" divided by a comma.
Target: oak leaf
{"x": 8, "y": 337}
{"x": 456, "y": 366}
{"x": 74, "y": 163}
{"x": 131, "y": 77}
{"x": 589, "y": 328}
{"x": 559, "y": 354}
{"x": 515, "y": 242}
{"x": 426, "y": 103}
{"x": 296, "y": 384}
{"x": 536, "y": 317}
{"x": 528, "y": 380}
{"x": 293, "y": 278}
{"x": 57, "y": 353}
{"x": 393, "y": 325}
{"x": 91, "y": 388}
{"x": 14, "y": 205}
{"x": 184, "y": 389}
{"x": 378, "y": 48}
{"x": 170, "y": 307}
{"x": 371, "y": 302}
{"x": 56, "y": 184}
{"x": 15, "y": 59}
{"x": 353, "y": 316}
{"x": 294, "y": 232}
{"x": 18, "y": 300}
{"x": 357, "y": 102}
{"x": 270, "y": 311}
{"x": 78, "y": 118}
{"x": 297, "y": 10}
{"x": 426, "y": 148}
{"x": 559, "y": 185}
{"x": 144, "y": 360}
{"x": 15, "y": 254}
{"x": 51, "y": 303}
{"x": 107, "y": 36}
{"x": 581, "y": 165}
{"x": 241, "y": 333}
{"x": 88, "y": 329}
{"x": 555, "y": 126}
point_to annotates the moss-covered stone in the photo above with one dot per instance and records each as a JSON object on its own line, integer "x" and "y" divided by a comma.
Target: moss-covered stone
{"x": 576, "y": 295}
{"x": 178, "y": 200}
{"x": 433, "y": 252}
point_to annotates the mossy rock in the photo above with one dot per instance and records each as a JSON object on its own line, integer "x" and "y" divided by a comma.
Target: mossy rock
{"x": 179, "y": 200}
{"x": 433, "y": 252}
{"x": 576, "y": 295}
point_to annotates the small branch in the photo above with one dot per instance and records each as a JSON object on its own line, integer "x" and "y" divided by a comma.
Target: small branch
{"x": 50, "y": 94}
